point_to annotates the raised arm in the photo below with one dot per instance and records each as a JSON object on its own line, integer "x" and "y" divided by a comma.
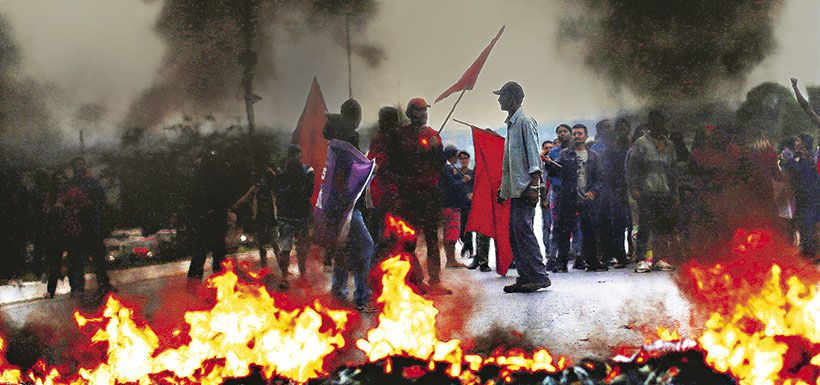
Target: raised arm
{"x": 805, "y": 104}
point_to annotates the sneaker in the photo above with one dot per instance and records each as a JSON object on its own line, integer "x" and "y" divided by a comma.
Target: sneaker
{"x": 474, "y": 265}
{"x": 485, "y": 268}
{"x": 663, "y": 266}
{"x": 643, "y": 267}
{"x": 514, "y": 288}
{"x": 438, "y": 289}
{"x": 533, "y": 286}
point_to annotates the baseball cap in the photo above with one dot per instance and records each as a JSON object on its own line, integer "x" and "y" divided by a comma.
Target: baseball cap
{"x": 510, "y": 87}
{"x": 418, "y": 103}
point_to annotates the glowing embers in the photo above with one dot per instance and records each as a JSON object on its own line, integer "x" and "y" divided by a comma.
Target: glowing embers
{"x": 772, "y": 338}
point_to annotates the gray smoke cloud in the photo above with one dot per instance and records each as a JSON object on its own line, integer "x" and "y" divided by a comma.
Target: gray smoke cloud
{"x": 673, "y": 50}
{"x": 28, "y": 131}
{"x": 200, "y": 72}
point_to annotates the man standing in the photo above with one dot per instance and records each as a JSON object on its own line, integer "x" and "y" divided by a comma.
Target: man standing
{"x": 416, "y": 157}
{"x": 209, "y": 212}
{"x": 546, "y": 215}
{"x": 91, "y": 194}
{"x": 614, "y": 199}
{"x": 263, "y": 214}
{"x": 521, "y": 183}
{"x": 453, "y": 196}
{"x": 352, "y": 257}
{"x": 578, "y": 170}
{"x": 293, "y": 185}
{"x": 564, "y": 139}
{"x": 652, "y": 181}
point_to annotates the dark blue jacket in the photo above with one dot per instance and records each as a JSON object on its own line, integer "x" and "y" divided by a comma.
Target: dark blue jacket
{"x": 568, "y": 173}
{"x": 452, "y": 187}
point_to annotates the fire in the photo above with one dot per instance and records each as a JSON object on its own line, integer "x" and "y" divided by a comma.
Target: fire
{"x": 8, "y": 374}
{"x": 755, "y": 339}
{"x": 407, "y": 327}
{"x": 244, "y": 329}
{"x": 407, "y": 324}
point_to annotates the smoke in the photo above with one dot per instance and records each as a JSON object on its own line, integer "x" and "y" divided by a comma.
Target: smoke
{"x": 673, "y": 50}
{"x": 200, "y": 72}
{"x": 27, "y": 128}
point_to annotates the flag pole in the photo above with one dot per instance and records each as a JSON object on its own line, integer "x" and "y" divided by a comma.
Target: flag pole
{"x": 452, "y": 110}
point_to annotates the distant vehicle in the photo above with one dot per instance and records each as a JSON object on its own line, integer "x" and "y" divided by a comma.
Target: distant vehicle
{"x": 128, "y": 244}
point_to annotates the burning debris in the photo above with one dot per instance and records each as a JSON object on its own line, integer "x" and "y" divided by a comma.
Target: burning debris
{"x": 771, "y": 337}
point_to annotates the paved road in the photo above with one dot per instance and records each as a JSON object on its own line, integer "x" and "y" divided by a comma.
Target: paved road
{"x": 580, "y": 314}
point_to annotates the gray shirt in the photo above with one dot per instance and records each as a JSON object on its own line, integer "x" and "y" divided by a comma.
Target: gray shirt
{"x": 650, "y": 170}
{"x": 521, "y": 155}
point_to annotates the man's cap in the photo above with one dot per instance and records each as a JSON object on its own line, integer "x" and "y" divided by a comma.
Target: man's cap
{"x": 418, "y": 103}
{"x": 511, "y": 88}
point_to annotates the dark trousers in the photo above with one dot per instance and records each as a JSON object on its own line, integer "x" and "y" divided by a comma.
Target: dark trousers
{"x": 266, "y": 232}
{"x": 422, "y": 211}
{"x": 214, "y": 244}
{"x": 482, "y": 249}
{"x": 656, "y": 218}
{"x": 74, "y": 264}
{"x": 80, "y": 250}
{"x": 466, "y": 238}
{"x": 586, "y": 210}
{"x": 614, "y": 222}
{"x": 525, "y": 249}
{"x": 293, "y": 232}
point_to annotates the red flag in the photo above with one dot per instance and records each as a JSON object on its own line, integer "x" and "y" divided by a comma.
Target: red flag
{"x": 487, "y": 216}
{"x": 308, "y": 135}
{"x": 467, "y": 81}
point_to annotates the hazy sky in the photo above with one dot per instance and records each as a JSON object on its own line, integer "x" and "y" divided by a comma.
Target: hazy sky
{"x": 105, "y": 51}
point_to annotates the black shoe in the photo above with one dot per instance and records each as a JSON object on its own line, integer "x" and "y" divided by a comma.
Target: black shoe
{"x": 619, "y": 265}
{"x": 512, "y": 265}
{"x": 579, "y": 265}
{"x": 514, "y": 288}
{"x": 551, "y": 263}
{"x": 560, "y": 268}
{"x": 484, "y": 267}
{"x": 474, "y": 265}
{"x": 533, "y": 287}
{"x": 597, "y": 268}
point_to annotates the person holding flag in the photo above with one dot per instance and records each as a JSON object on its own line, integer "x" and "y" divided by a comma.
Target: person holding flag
{"x": 521, "y": 185}
{"x": 416, "y": 158}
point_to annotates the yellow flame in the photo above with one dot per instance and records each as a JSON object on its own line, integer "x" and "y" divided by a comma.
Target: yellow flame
{"x": 755, "y": 357}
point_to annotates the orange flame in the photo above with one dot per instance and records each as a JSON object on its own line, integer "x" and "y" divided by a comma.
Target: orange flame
{"x": 245, "y": 328}
{"x": 747, "y": 343}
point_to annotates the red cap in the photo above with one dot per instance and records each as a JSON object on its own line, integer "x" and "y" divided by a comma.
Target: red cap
{"x": 418, "y": 103}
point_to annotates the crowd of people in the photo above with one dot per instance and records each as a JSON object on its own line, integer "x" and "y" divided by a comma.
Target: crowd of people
{"x": 628, "y": 197}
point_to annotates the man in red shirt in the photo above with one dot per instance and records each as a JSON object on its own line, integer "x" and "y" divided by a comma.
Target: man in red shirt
{"x": 416, "y": 157}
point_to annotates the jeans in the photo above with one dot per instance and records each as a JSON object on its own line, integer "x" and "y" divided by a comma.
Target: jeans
{"x": 588, "y": 224}
{"x": 576, "y": 236}
{"x": 353, "y": 257}
{"x": 525, "y": 249}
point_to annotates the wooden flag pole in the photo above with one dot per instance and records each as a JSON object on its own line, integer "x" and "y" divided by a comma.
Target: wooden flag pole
{"x": 452, "y": 110}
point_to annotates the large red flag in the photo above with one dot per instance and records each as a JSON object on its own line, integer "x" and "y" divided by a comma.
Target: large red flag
{"x": 487, "y": 216}
{"x": 308, "y": 135}
{"x": 468, "y": 79}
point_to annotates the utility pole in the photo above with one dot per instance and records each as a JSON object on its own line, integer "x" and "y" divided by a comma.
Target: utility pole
{"x": 349, "y": 61}
{"x": 247, "y": 59}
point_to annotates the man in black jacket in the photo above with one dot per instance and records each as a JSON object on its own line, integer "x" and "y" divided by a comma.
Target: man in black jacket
{"x": 293, "y": 186}
{"x": 578, "y": 168}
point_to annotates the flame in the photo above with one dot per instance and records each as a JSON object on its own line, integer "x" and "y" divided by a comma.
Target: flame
{"x": 750, "y": 342}
{"x": 8, "y": 374}
{"x": 407, "y": 327}
{"x": 398, "y": 226}
{"x": 670, "y": 335}
{"x": 244, "y": 329}
{"x": 407, "y": 323}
